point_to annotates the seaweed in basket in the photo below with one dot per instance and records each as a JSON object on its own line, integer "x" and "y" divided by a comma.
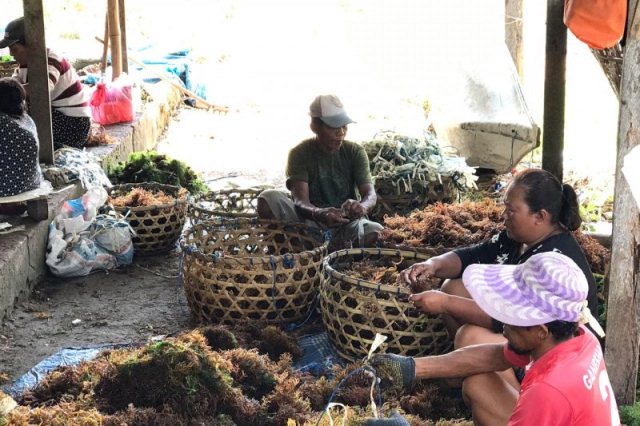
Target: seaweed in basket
{"x": 387, "y": 272}
{"x": 138, "y": 197}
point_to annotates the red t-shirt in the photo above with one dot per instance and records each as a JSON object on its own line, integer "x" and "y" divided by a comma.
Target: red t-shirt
{"x": 568, "y": 385}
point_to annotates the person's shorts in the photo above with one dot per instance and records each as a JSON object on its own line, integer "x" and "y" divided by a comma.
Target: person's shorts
{"x": 283, "y": 209}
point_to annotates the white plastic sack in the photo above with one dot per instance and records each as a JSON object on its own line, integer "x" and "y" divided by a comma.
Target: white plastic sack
{"x": 76, "y": 258}
{"x": 78, "y": 214}
{"x": 79, "y": 243}
{"x": 114, "y": 236}
{"x": 481, "y": 111}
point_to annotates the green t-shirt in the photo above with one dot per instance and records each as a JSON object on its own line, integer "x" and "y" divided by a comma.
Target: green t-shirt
{"x": 332, "y": 178}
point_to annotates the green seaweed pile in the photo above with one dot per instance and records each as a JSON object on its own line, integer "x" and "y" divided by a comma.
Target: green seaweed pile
{"x": 153, "y": 167}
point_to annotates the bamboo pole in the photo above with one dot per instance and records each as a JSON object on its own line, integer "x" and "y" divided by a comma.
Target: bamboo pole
{"x": 114, "y": 36}
{"x": 105, "y": 46}
{"x": 123, "y": 35}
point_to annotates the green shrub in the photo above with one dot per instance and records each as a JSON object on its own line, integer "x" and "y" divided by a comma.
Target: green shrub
{"x": 630, "y": 414}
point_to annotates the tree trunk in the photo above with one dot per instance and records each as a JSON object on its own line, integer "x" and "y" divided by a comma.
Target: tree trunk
{"x": 621, "y": 352}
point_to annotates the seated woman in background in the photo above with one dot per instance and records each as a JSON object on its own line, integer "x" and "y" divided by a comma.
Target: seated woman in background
{"x": 539, "y": 215}
{"x": 70, "y": 110}
{"x": 19, "y": 147}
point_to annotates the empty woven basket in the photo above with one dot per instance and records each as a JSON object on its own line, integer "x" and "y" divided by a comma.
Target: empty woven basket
{"x": 354, "y": 310}
{"x": 232, "y": 203}
{"x": 244, "y": 269}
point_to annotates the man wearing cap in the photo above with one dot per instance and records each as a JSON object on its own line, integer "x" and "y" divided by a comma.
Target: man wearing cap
{"x": 329, "y": 180}
{"x": 542, "y": 303}
{"x": 70, "y": 110}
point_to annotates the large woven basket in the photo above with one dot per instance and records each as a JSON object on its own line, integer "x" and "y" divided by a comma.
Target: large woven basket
{"x": 233, "y": 203}
{"x": 393, "y": 199}
{"x": 157, "y": 227}
{"x": 7, "y": 68}
{"x": 250, "y": 270}
{"x": 354, "y": 310}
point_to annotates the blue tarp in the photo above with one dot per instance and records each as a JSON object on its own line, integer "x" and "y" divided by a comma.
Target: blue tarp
{"x": 66, "y": 356}
{"x": 176, "y": 63}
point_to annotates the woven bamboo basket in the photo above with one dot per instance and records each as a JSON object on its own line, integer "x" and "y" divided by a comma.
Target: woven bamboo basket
{"x": 250, "y": 270}
{"x": 157, "y": 227}
{"x": 354, "y": 310}
{"x": 234, "y": 203}
{"x": 392, "y": 200}
{"x": 7, "y": 68}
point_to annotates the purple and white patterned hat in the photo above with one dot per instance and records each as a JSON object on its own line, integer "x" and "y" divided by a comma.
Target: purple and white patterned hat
{"x": 547, "y": 287}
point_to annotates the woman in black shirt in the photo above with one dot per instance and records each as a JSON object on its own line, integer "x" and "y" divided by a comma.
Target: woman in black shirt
{"x": 539, "y": 214}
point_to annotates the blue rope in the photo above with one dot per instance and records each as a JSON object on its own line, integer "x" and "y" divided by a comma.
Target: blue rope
{"x": 353, "y": 373}
{"x": 288, "y": 260}
{"x": 180, "y": 278}
{"x": 292, "y": 327}
{"x": 272, "y": 262}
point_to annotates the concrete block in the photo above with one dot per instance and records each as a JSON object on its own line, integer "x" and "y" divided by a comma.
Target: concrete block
{"x": 23, "y": 252}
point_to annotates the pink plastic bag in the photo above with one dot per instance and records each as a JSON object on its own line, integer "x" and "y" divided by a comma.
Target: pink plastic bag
{"x": 111, "y": 102}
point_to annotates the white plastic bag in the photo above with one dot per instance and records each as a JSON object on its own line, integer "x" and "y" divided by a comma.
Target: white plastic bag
{"x": 114, "y": 236}
{"x": 80, "y": 244}
{"x": 76, "y": 258}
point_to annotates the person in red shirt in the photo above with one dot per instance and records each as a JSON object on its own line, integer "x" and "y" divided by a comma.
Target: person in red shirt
{"x": 542, "y": 304}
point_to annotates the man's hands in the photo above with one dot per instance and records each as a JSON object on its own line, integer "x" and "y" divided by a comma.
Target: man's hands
{"x": 330, "y": 216}
{"x": 432, "y": 301}
{"x": 397, "y": 369}
{"x": 353, "y": 209}
{"x": 418, "y": 272}
{"x": 395, "y": 419}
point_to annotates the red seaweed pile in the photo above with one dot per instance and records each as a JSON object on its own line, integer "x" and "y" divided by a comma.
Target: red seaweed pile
{"x": 206, "y": 377}
{"x": 444, "y": 225}
{"x": 441, "y": 227}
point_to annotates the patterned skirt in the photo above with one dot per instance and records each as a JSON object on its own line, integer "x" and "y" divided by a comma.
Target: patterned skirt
{"x": 69, "y": 131}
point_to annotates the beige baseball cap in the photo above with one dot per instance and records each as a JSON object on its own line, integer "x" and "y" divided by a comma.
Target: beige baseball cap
{"x": 330, "y": 110}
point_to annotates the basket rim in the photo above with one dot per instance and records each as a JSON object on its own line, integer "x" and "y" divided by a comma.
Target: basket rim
{"x": 206, "y": 197}
{"x": 329, "y": 270}
{"x": 145, "y": 185}
{"x": 219, "y": 224}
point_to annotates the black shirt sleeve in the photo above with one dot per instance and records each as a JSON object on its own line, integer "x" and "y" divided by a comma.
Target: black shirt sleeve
{"x": 497, "y": 250}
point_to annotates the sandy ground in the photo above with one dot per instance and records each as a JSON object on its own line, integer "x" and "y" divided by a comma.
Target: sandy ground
{"x": 132, "y": 304}
{"x": 267, "y": 62}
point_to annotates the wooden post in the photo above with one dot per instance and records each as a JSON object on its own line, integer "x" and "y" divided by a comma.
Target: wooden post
{"x": 123, "y": 36}
{"x": 623, "y": 333}
{"x": 40, "y": 103}
{"x": 554, "y": 89}
{"x": 513, "y": 26}
{"x": 114, "y": 36}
